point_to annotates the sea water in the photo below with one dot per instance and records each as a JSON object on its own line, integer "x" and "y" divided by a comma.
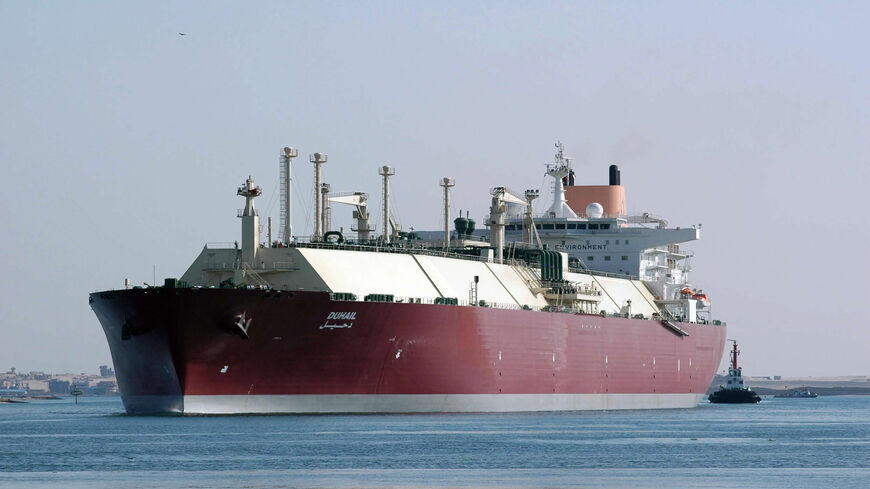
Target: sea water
{"x": 787, "y": 443}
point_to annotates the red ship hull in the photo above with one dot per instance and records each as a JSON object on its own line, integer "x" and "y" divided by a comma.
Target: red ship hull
{"x": 180, "y": 350}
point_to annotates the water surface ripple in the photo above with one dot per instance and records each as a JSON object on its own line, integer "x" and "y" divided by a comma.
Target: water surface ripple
{"x": 788, "y": 443}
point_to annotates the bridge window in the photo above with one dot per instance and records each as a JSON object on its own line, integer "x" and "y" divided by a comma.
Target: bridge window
{"x": 590, "y": 258}
{"x": 607, "y": 258}
{"x": 581, "y": 226}
{"x": 548, "y": 226}
{"x": 624, "y": 258}
{"x": 538, "y": 226}
{"x": 605, "y": 225}
{"x": 560, "y": 226}
{"x": 572, "y": 226}
{"x": 593, "y": 226}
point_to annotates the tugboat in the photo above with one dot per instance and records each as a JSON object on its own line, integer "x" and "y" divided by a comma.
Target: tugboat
{"x": 734, "y": 392}
{"x": 803, "y": 393}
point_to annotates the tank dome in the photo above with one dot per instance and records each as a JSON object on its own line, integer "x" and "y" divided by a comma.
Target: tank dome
{"x": 594, "y": 210}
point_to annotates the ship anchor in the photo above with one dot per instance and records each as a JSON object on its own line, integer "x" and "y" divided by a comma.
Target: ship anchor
{"x": 241, "y": 326}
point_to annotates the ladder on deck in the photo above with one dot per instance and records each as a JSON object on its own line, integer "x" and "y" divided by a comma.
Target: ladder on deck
{"x": 532, "y": 279}
{"x": 249, "y": 272}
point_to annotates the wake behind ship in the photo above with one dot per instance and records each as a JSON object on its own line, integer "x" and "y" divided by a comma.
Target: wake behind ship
{"x": 545, "y": 312}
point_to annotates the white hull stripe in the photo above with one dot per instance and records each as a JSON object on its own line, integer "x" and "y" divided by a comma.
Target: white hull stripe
{"x": 429, "y": 403}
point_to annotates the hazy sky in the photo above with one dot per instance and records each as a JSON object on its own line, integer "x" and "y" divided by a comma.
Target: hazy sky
{"x": 122, "y": 143}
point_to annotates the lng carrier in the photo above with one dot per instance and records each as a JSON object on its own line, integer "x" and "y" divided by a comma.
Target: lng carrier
{"x": 579, "y": 307}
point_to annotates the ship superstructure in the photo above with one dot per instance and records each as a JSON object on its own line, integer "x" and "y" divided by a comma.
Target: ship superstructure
{"x": 388, "y": 322}
{"x": 603, "y": 238}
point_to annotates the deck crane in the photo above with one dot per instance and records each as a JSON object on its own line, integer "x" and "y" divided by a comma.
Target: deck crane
{"x": 360, "y": 213}
{"x": 500, "y": 197}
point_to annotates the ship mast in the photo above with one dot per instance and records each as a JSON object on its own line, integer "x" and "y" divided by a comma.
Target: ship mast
{"x": 318, "y": 159}
{"x": 560, "y": 169}
{"x": 250, "y": 222}
{"x": 447, "y": 183}
{"x": 386, "y": 172}
{"x": 734, "y": 353}
{"x": 287, "y": 193}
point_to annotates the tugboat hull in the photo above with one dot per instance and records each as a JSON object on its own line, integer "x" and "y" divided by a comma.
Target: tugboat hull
{"x": 725, "y": 396}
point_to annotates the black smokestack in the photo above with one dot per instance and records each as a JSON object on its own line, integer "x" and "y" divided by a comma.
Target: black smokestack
{"x": 614, "y": 175}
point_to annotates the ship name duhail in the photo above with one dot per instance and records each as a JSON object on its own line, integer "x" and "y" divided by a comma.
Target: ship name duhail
{"x": 339, "y": 316}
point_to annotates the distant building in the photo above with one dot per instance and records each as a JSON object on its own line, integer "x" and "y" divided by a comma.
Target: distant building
{"x": 106, "y": 371}
{"x": 103, "y": 388}
{"x": 56, "y": 386}
{"x": 38, "y": 376}
{"x": 12, "y": 392}
{"x": 777, "y": 377}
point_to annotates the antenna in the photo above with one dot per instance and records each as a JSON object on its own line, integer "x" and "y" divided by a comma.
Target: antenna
{"x": 559, "y": 170}
{"x": 734, "y": 353}
{"x": 318, "y": 159}
{"x": 447, "y": 183}
{"x": 286, "y": 162}
{"x": 386, "y": 172}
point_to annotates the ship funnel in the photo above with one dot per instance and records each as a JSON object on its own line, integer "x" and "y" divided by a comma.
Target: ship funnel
{"x": 614, "y": 175}
{"x": 318, "y": 159}
{"x": 286, "y": 193}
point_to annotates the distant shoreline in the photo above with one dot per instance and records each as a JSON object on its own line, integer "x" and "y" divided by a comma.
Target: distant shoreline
{"x": 821, "y": 391}
{"x": 824, "y": 386}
